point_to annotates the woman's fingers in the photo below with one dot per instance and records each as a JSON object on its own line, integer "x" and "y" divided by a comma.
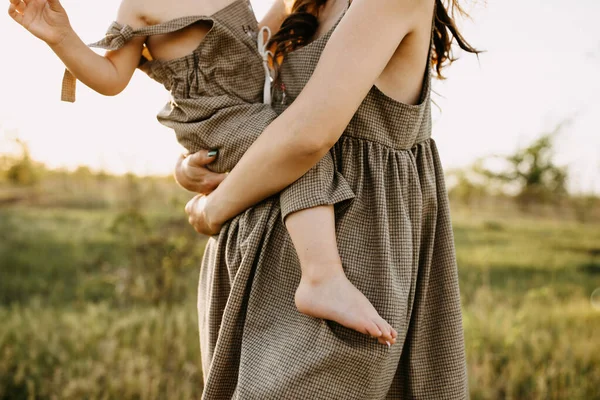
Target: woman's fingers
{"x": 178, "y": 167}
{"x": 201, "y": 158}
{"x": 183, "y": 175}
{"x": 196, "y": 216}
{"x": 216, "y": 179}
{"x": 189, "y": 210}
{"x": 192, "y": 174}
{"x": 189, "y": 207}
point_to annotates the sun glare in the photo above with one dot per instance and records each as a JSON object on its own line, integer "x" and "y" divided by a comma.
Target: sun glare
{"x": 493, "y": 105}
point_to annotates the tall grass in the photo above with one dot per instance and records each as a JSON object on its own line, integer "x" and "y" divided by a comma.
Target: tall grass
{"x": 531, "y": 331}
{"x": 98, "y": 288}
{"x": 99, "y": 352}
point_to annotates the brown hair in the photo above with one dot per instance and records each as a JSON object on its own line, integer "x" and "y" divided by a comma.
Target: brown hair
{"x": 302, "y": 23}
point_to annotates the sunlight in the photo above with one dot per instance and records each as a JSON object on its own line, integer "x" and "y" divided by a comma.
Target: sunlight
{"x": 519, "y": 88}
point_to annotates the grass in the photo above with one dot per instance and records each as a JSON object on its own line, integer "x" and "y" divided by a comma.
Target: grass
{"x": 99, "y": 352}
{"x": 530, "y": 327}
{"x": 74, "y": 323}
{"x": 98, "y": 302}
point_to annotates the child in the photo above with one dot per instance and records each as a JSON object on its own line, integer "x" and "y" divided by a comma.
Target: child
{"x": 218, "y": 77}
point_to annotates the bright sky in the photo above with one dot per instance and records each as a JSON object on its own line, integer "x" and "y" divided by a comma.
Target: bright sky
{"x": 541, "y": 67}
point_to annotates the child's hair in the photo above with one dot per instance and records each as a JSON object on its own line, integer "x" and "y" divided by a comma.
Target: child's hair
{"x": 302, "y": 23}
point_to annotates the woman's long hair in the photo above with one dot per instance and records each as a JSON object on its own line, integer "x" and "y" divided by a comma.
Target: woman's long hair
{"x": 300, "y": 26}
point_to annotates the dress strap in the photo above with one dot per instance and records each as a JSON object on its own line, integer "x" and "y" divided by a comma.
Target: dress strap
{"x": 427, "y": 76}
{"x": 265, "y": 54}
{"x": 118, "y": 35}
{"x": 431, "y": 42}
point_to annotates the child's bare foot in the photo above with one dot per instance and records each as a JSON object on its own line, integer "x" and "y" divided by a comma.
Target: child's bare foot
{"x": 332, "y": 296}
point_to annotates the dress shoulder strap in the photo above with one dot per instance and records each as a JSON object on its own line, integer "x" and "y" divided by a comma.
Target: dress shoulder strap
{"x": 428, "y": 67}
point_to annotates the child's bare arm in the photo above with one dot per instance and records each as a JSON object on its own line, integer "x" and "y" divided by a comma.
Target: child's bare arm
{"x": 48, "y": 21}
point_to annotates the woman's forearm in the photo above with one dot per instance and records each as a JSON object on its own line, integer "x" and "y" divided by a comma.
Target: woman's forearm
{"x": 276, "y": 159}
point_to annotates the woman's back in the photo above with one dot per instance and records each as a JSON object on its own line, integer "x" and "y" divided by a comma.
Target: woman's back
{"x": 402, "y": 78}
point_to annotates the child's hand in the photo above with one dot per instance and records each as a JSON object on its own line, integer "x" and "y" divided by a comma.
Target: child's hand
{"x": 45, "y": 19}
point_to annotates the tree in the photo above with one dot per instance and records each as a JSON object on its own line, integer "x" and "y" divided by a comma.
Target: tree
{"x": 23, "y": 171}
{"x": 533, "y": 171}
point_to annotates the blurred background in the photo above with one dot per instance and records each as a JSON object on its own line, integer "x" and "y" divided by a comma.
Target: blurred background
{"x": 99, "y": 267}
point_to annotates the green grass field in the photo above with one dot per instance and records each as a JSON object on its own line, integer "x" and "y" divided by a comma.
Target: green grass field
{"x": 530, "y": 328}
{"x": 98, "y": 302}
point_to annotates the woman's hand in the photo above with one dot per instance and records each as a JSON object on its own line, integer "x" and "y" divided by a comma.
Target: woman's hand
{"x": 45, "y": 19}
{"x": 191, "y": 173}
{"x": 198, "y": 216}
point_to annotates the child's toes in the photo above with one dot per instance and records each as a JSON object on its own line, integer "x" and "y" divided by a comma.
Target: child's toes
{"x": 385, "y": 329}
{"x": 384, "y": 341}
{"x": 372, "y": 329}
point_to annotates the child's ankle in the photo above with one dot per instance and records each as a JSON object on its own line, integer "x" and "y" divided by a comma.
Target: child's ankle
{"x": 317, "y": 273}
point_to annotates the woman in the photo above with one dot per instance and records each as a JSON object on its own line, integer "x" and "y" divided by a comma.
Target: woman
{"x": 361, "y": 90}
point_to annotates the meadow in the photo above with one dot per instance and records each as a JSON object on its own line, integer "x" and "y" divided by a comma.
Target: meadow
{"x": 98, "y": 278}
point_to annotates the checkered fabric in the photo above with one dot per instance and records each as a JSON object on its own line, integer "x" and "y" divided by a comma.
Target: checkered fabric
{"x": 392, "y": 222}
{"x": 395, "y": 238}
{"x": 216, "y": 91}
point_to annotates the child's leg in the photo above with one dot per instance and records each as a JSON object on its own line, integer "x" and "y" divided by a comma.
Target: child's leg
{"x": 324, "y": 290}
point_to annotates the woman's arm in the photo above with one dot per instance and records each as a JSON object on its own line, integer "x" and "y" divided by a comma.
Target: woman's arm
{"x": 48, "y": 20}
{"x": 353, "y": 59}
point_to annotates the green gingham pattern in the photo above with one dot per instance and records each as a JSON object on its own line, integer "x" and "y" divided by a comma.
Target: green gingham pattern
{"x": 396, "y": 243}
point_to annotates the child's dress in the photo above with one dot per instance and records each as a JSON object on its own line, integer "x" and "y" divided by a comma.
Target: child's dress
{"x": 220, "y": 94}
